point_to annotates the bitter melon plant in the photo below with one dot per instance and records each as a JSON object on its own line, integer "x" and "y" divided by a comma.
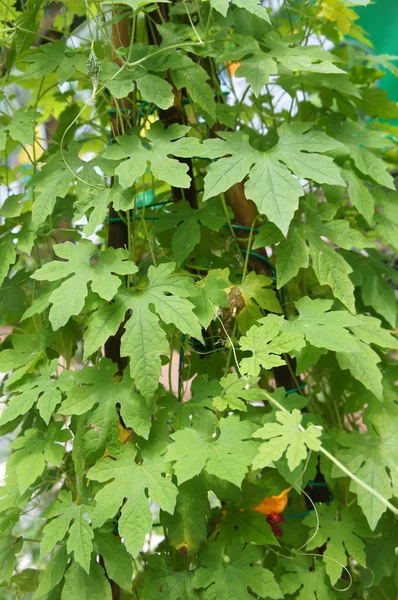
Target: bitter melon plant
{"x": 198, "y": 243}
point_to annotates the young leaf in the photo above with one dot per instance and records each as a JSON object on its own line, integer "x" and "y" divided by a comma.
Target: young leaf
{"x": 285, "y": 436}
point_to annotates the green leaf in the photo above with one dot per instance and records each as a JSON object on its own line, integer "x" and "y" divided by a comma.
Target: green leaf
{"x": 301, "y": 58}
{"x": 89, "y": 586}
{"x": 248, "y": 525}
{"x": 267, "y": 344}
{"x": 94, "y": 389}
{"x": 307, "y": 576}
{"x": 9, "y": 547}
{"x": 360, "y": 196}
{"x": 363, "y": 366}
{"x": 270, "y": 184}
{"x": 129, "y": 482}
{"x": 52, "y": 574}
{"x": 331, "y": 269}
{"x": 227, "y": 457}
{"x": 118, "y": 563}
{"x": 34, "y": 449}
{"x": 71, "y": 518}
{"x": 322, "y": 327}
{"x": 193, "y": 77}
{"x": 235, "y": 392}
{"x": 144, "y": 339}
{"x": 187, "y": 527}
{"x": 41, "y": 390}
{"x": 79, "y": 264}
{"x": 210, "y": 295}
{"x": 257, "y": 70}
{"x": 369, "y": 456}
{"x": 161, "y": 583}
{"x": 341, "y": 536}
{"x": 21, "y": 127}
{"x": 229, "y": 569}
{"x": 292, "y": 255}
{"x": 51, "y": 182}
{"x": 160, "y": 144}
{"x": 285, "y": 436}
{"x": 7, "y": 256}
{"x": 152, "y": 88}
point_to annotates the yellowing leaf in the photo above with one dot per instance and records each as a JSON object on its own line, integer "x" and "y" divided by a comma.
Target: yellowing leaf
{"x": 338, "y": 12}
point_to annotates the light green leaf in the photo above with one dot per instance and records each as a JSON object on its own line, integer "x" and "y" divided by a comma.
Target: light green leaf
{"x": 307, "y": 577}
{"x": 42, "y": 389}
{"x": 235, "y": 393}
{"x": 51, "y": 182}
{"x": 267, "y": 344}
{"x": 144, "y": 339}
{"x": 193, "y": 77}
{"x": 72, "y": 518}
{"x": 285, "y": 436}
{"x": 322, "y": 327}
{"x": 227, "y": 457}
{"x": 9, "y": 547}
{"x": 129, "y": 482}
{"x": 79, "y": 264}
{"x": 34, "y": 449}
{"x": 271, "y": 185}
{"x": 254, "y": 7}
{"x": 21, "y": 127}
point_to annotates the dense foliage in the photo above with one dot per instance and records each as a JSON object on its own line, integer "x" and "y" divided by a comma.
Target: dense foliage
{"x": 197, "y": 259}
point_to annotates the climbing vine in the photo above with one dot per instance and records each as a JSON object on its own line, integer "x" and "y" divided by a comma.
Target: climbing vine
{"x": 198, "y": 244}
